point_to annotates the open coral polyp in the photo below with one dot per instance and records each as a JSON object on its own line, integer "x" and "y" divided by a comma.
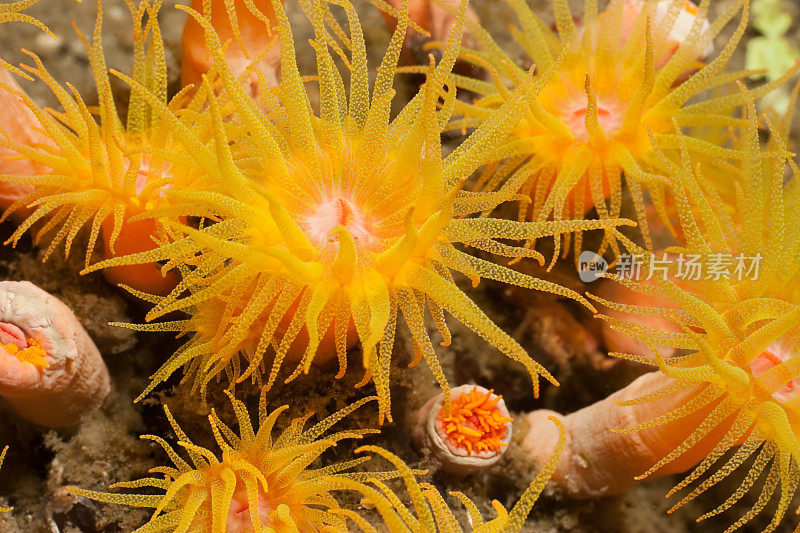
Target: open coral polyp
{"x": 261, "y": 480}
{"x": 96, "y": 172}
{"x": 740, "y": 332}
{"x": 603, "y": 88}
{"x": 336, "y": 223}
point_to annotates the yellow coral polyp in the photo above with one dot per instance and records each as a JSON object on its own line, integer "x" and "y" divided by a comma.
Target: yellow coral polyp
{"x": 33, "y": 353}
{"x": 261, "y": 481}
{"x": 335, "y": 222}
{"x": 741, "y": 337}
{"x": 602, "y": 91}
{"x": 98, "y": 171}
{"x": 474, "y": 423}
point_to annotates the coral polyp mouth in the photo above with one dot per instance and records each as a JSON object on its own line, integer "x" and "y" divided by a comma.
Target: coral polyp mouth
{"x": 145, "y": 174}
{"x": 331, "y": 213}
{"x": 17, "y": 344}
{"x": 239, "y": 509}
{"x": 32, "y": 354}
{"x": 774, "y": 355}
{"x": 610, "y": 115}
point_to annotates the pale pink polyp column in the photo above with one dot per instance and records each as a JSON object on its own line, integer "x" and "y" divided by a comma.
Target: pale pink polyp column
{"x": 74, "y": 381}
{"x": 600, "y": 462}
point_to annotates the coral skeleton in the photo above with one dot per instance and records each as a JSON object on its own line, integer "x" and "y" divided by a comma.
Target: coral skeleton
{"x": 473, "y": 435}
{"x": 602, "y": 88}
{"x": 51, "y": 372}
{"x": 333, "y": 225}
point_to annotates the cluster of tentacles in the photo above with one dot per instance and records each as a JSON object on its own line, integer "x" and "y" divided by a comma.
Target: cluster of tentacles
{"x": 281, "y": 220}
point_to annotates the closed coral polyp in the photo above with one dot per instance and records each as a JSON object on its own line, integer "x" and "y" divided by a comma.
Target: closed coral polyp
{"x": 32, "y": 353}
{"x": 467, "y": 434}
{"x": 50, "y": 370}
{"x": 475, "y": 423}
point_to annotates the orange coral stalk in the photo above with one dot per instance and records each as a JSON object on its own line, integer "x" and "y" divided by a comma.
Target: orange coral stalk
{"x": 474, "y": 433}
{"x": 50, "y": 370}
{"x": 240, "y": 24}
{"x": 135, "y": 236}
{"x": 434, "y": 19}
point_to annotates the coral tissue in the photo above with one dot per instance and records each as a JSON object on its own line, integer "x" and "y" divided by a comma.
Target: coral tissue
{"x": 50, "y": 370}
